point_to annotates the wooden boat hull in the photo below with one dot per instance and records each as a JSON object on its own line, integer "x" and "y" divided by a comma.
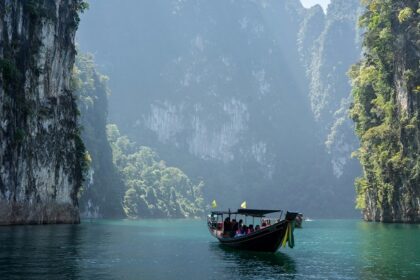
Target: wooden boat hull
{"x": 266, "y": 240}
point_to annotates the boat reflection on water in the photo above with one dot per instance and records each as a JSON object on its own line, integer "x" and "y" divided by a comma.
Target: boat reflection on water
{"x": 251, "y": 265}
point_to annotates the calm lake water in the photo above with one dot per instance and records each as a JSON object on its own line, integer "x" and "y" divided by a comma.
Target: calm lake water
{"x": 183, "y": 249}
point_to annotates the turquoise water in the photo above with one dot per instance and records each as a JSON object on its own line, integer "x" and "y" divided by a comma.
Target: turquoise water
{"x": 183, "y": 249}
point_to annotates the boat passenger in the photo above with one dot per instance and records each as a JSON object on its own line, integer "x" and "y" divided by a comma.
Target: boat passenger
{"x": 240, "y": 223}
{"x": 263, "y": 224}
{"x": 227, "y": 227}
{"x": 244, "y": 229}
{"x": 251, "y": 229}
{"x": 234, "y": 226}
{"x": 257, "y": 227}
{"x": 239, "y": 233}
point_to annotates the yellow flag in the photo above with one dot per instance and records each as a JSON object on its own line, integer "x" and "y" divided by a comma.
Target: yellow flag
{"x": 243, "y": 205}
{"x": 213, "y": 204}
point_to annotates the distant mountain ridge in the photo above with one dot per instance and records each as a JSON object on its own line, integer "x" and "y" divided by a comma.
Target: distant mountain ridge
{"x": 250, "y": 96}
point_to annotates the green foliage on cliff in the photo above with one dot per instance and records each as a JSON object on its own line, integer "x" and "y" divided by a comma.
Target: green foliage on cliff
{"x": 102, "y": 191}
{"x": 153, "y": 189}
{"x": 80, "y": 7}
{"x": 386, "y": 105}
{"x": 124, "y": 178}
{"x": 46, "y": 9}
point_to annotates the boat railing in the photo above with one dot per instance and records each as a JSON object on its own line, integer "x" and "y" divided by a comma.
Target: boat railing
{"x": 214, "y": 222}
{"x": 217, "y": 225}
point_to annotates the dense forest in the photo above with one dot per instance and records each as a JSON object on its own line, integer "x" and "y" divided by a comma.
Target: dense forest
{"x": 386, "y": 91}
{"x": 152, "y": 188}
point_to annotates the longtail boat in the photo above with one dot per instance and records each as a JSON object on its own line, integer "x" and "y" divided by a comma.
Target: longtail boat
{"x": 269, "y": 236}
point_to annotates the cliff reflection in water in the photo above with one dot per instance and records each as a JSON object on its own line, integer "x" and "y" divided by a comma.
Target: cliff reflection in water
{"x": 389, "y": 251}
{"x": 253, "y": 264}
{"x": 40, "y": 251}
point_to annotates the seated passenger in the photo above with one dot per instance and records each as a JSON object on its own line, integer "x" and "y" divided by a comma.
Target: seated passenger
{"x": 227, "y": 227}
{"x": 251, "y": 229}
{"x": 235, "y": 225}
{"x": 234, "y": 228}
{"x": 257, "y": 227}
{"x": 239, "y": 233}
{"x": 244, "y": 229}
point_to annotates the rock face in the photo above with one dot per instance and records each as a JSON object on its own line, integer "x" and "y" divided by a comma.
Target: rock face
{"x": 241, "y": 94}
{"x": 386, "y": 111}
{"x": 328, "y": 45}
{"x": 41, "y": 154}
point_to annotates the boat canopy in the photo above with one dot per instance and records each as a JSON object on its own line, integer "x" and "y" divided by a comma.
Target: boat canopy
{"x": 219, "y": 213}
{"x": 256, "y": 212}
{"x": 246, "y": 212}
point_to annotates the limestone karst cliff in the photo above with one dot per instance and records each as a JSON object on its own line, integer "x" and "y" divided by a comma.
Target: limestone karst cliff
{"x": 386, "y": 90}
{"x": 41, "y": 153}
{"x": 329, "y": 44}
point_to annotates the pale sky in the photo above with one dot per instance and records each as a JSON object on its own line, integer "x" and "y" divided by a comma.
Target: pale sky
{"x": 310, "y": 3}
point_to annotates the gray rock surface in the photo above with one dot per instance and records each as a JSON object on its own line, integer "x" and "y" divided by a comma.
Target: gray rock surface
{"x": 40, "y": 148}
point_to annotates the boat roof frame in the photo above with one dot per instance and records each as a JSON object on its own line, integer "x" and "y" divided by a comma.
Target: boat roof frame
{"x": 247, "y": 212}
